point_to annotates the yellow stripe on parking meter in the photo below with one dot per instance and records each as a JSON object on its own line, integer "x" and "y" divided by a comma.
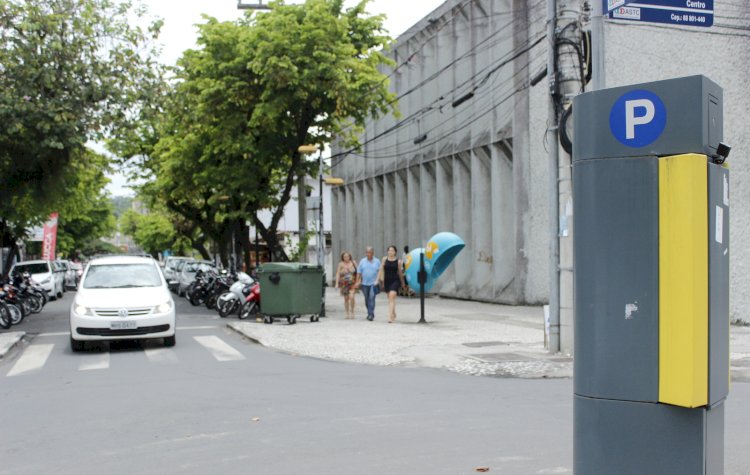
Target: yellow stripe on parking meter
{"x": 683, "y": 280}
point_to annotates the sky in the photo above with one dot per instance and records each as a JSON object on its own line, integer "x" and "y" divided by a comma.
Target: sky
{"x": 180, "y": 18}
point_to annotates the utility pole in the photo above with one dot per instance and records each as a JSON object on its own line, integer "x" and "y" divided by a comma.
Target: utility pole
{"x": 553, "y": 160}
{"x": 321, "y": 235}
{"x": 598, "y": 77}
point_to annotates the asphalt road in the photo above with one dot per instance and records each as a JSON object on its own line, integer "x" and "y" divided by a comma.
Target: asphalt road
{"x": 217, "y": 403}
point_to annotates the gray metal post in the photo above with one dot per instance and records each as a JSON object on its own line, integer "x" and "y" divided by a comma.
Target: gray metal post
{"x": 552, "y": 164}
{"x": 321, "y": 236}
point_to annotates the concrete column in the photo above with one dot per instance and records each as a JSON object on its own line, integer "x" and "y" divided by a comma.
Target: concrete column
{"x": 390, "y": 198}
{"x": 481, "y": 219}
{"x": 444, "y": 215}
{"x": 401, "y": 210}
{"x": 415, "y": 230}
{"x": 503, "y": 237}
{"x": 462, "y": 222}
{"x": 349, "y": 212}
{"x": 360, "y": 213}
{"x": 378, "y": 207}
{"x": 521, "y": 153}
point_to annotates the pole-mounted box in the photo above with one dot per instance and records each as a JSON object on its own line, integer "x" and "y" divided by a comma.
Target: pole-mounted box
{"x": 651, "y": 213}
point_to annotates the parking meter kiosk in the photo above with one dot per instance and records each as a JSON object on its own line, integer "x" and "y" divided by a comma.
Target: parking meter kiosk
{"x": 651, "y": 279}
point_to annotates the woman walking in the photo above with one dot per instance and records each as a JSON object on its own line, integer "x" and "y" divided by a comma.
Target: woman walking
{"x": 391, "y": 276}
{"x": 346, "y": 276}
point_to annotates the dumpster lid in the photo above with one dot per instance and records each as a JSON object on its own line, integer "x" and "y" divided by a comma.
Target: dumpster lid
{"x": 287, "y": 267}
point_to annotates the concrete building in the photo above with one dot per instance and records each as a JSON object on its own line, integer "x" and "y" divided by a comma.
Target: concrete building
{"x": 469, "y": 153}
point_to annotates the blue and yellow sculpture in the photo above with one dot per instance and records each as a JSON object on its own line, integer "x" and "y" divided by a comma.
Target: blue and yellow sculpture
{"x": 440, "y": 251}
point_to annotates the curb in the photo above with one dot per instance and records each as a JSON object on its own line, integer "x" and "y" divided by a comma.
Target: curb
{"x": 232, "y": 327}
{"x": 8, "y": 341}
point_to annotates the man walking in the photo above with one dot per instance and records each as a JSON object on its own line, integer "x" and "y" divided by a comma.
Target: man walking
{"x": 368, "y": 278}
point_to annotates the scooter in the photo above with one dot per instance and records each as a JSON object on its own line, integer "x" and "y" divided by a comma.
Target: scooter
{"x": 251, "y": 307}
{"x": 230, "y": 302}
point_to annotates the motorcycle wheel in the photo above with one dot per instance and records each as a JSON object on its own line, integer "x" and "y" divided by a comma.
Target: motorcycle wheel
{"x": 249, "y": 309}
{"x": 4, "y": 316}
{"x": 36, "y": 303}
{"x": 227, "y": 307}
{"x": 196, "y": 298}
{"x": 16, "y": 315}
{"x": 211, "y": 301}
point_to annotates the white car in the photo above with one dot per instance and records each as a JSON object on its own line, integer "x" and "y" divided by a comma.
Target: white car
{"x": 43, "y": 273}
{"x": 122, "y": 298}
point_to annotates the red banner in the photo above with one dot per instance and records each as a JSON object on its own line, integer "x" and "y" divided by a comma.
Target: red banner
{"x": 50, "y": 238}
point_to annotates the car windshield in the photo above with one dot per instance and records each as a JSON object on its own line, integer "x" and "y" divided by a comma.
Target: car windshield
{"x": 118, "y": 276}
{"x": 38, "y": 268}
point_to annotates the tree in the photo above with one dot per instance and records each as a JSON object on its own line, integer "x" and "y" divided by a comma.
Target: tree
{"x": 85, "y": 210}
{"x": 153, "y": 232}
{"x": 257, "y": 90}
{"x": 70, "y": 71}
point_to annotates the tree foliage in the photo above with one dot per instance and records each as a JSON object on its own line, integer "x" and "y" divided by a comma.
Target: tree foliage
{"x": 70, "y": 71}
{"x": 85, "y": 209}
{"x": 244, "y": 102}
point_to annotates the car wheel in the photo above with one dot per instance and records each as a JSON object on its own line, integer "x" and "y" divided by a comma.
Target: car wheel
{"x": 75, "y": 345}
{"x": 170, "y": 341}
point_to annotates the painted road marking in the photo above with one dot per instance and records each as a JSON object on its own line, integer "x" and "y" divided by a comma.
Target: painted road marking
{"x": 161, "y": 355}
{"x": 219, "y": 349}
{"x": 32, "y": 359}
{"x": 94, "y": 361}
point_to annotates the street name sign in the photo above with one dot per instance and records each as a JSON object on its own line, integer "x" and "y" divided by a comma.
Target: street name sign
{"x": 676, "y": 12}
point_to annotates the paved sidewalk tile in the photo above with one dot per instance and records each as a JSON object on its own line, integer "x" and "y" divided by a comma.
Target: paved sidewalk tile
{"x": 462, "y": 336}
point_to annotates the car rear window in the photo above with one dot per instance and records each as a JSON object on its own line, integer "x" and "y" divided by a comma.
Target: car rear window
{"x": 119, "y": 276}
{"x": 37, "y": 268}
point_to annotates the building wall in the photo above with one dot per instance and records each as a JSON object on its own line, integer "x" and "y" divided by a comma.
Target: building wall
{"x": 445, "y": 166}
{"x": 641, "y": 53}
{"x": 482, "y": 172}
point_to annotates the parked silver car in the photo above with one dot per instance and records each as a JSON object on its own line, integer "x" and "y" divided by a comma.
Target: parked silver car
{"x": 172, "y": 266}
{"x": 70, "y": 278}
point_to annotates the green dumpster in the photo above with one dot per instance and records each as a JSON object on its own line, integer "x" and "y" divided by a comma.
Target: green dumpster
{"x": 290, "y": 290}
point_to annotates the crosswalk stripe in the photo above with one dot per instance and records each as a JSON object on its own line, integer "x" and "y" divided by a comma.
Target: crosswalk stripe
{"x": 219, "y": 349}
{"x": 161, "y": 355}
{"x": 94, "y": 361}
{"x": 32, "y": 359}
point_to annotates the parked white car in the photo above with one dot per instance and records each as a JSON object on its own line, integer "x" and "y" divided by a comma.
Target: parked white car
{"x": 44, "y": 273}
{"x": 122, "y": 298}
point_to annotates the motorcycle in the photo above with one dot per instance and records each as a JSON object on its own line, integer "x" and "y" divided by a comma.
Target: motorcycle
{"x": 196, "y": 292}
{"x": 251, "y": 307}
{"x": 5, "y": 321}
{"x": 221, "y": 284}
{"x": 10, "y": 298}
{"x": 230, "y": 301}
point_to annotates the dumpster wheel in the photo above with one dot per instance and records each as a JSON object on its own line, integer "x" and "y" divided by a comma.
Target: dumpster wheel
{"x": 267, "y": 319}
{"x": 291, "y": 319}
{"x": 315, "y": 318}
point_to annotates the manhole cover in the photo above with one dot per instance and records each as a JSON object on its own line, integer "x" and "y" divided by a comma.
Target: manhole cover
{"x": 482, "y": 344}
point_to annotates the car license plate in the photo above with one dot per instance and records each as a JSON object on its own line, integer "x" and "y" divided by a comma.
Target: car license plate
{"x": 126, "y": 325}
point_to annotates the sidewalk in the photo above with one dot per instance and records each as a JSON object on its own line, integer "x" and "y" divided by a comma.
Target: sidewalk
{"x": 466, "y": 337}
{"x": 462, "y": 336}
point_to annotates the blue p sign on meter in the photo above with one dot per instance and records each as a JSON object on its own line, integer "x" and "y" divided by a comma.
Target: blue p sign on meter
{"x": 637, "y": 118}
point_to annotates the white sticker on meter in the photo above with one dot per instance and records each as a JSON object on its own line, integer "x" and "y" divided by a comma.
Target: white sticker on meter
{"x": 726, "y": 190}
{"x": 719, "y": 225}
